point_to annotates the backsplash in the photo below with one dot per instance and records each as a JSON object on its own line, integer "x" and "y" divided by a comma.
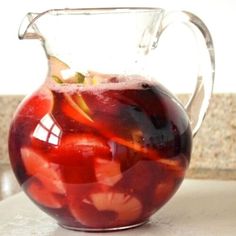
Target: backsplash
{"x": 214, "y": 148}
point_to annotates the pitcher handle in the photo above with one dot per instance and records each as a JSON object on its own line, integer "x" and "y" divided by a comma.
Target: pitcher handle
{"x": 198, "y": 103}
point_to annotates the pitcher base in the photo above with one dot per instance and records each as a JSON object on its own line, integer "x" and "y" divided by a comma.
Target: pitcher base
{"x": 103, "y": 229}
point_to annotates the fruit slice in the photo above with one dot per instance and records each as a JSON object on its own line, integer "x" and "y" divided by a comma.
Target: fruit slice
{"x": 60, "y": 72}
{"x": 173, "y": 164}
{"x": 76, "y": 154}
{"x": 127, "y": 207}
{"x": 43, "y": 196}
{"x": 57, "y": 66}
{"x": 96, "y": 78}
{"x": 77, "y": 109}
{"x": 177, "y": 165}
{"x": 47, "y": 173}
{"x": 87, "y": 145}
{"x": 78, "y": 99}
{"x": 123, "y": 208}
{"x": 107, "y": 172}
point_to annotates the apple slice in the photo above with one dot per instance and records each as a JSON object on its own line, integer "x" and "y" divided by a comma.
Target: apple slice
{"x": 107, "y": 172}
{"x": 96, "y": 78}
{"x": 60, "y": 72}
{"x": 75, "y": 107}
{"x": 43, "y": 196}
{"x": 47, "y": 173}
{"x": 76, "y": 154}
{"x": 56, "y": 67}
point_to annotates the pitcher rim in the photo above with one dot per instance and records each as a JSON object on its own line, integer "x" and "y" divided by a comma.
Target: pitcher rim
{"x": 94, "y": 10}
{"x": 82, "y": 11}
{"x": 101, "y": 9}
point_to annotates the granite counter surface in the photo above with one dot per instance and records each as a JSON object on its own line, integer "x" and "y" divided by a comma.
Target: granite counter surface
{"x": 214, "y": 148}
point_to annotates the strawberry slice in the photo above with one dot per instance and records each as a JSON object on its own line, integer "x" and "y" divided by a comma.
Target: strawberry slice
{"x": 77, "y": 141}
{"x": 43, "y": 196}
{"x": 75, "y": 147}
{"x": 107, "y": 172}
{"x": 76, "y": 155}
{"x": 47, "y": 173}
{"x": 123, "y": 209}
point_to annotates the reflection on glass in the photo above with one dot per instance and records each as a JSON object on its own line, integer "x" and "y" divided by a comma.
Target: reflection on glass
{"x": 47, "y": 130}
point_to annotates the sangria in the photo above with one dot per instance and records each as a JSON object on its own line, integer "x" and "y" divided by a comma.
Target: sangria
{"x": 99, "y": 151}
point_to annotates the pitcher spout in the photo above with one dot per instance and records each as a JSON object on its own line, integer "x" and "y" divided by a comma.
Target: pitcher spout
{"x": 28, "y": 28}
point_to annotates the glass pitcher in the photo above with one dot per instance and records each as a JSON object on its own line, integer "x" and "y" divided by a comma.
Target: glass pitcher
{"x": 101, "y": 145}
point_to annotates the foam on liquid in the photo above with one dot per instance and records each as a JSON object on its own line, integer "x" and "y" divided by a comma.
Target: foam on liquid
{"x": 114, "y": 82}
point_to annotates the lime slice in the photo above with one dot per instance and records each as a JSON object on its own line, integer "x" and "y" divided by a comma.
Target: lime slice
{"x": 57, "y": 79}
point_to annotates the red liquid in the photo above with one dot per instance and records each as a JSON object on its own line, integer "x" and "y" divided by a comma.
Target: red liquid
{"x": 105, "y": 158}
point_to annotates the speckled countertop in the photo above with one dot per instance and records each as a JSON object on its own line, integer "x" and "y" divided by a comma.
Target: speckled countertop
{"x": 214, "y": 149}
